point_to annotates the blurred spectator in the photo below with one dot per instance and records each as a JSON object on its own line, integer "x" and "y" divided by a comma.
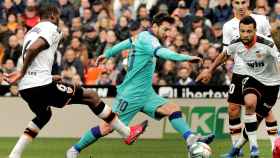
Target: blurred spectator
{"x": 200, "y": 13}
{"x": 262, "y": 7}
{"x": 9, "y": 66}
{"x": 97, "y": 6}
{"x": 72, "y": 65}
{"x": 80, "y": 50}
{"x": 6, "y": 7}
{"x": 12, "y": 23}
{"x": 67, "y": 11}
{"x": 20, "y": 6}
{"x": 193, "y": 43}
{"x": 121, "y": 29}
{"x": 87, "y": 17}
{"x": 275, "y": 15}
{"x": 30, "y": 17}
{"x": 168, "y": 72}
{"x": 2, "y": 81}
{"x": 76, "y": 24}
{"x": 142, "y": 12}
{"x": 218, "y": 77}
{"x": 145, "y": 23}
{"x": 13, "y": 51}
{"x": 222, "y": 12}
{"x": 217, "y": 33}
{"x": 85, "y": 4}
{"x": 183, "y": 76}
{"x": 122, "y": 5}
{"x": 91, "y": 41}
{"x": 228, "y": 68}
{"x": 204, "y": 45}
{"x": 179, "y": 41}
{"x": 212, "y": 53}
{"x": 104, "y": 79}
{"x": 196, "y": 23}
{"x": 13, "y": 91}
{"x": 203, "y": 5}
{"x": 112, "y": 71}
{"x": 20, "y": 32}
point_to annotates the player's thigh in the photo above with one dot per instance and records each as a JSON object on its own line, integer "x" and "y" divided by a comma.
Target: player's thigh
{"x": 35, "y": 101}
{"x": 268, "y": 100}
{"x": 235, "y": 91}
{"x": 126, "y": 110}
{"x": 62, "y": 93}
{"x": 153, "y": 104}
{"x": 254, "y": 89}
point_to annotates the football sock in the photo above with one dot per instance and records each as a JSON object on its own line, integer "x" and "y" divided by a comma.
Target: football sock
{"x": 179, "y": 124}
{"x": 251, "y": 127}
{"x": 272, "y": 131}
{"x": 235, "y": 128}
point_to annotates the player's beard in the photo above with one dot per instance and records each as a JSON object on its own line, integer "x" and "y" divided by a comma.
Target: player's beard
{"x": 247, "y": 41}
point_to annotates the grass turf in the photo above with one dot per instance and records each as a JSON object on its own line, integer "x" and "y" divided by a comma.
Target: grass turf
{"x": 169, "y": 147}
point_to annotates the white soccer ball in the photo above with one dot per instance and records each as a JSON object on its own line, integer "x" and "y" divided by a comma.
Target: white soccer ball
{"x": 200, "y": 150}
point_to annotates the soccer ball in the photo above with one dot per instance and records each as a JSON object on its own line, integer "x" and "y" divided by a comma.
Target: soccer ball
{"x": 200, "y": 150}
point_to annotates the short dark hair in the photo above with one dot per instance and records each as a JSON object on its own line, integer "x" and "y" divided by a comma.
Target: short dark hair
{"x": 247, "y": 20}
{"x": 48, "y": 10}
{"x": 162, "y": 17}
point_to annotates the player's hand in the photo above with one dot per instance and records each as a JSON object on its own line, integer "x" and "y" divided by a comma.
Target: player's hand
{"x": 204, "y": 76}
{"x": 13, "y": 77}
{"x": 100, "y": 59}
{"x": 196, "y": 59}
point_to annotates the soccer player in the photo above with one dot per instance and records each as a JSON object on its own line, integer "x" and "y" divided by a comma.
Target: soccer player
{"x": 136, "y": 93}
{"x": 235, "y": 98}
{"x": 261, "y": 84}
{"x": 38, "y": 89}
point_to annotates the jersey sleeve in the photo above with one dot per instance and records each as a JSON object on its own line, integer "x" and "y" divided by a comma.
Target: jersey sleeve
{"x": 110, "y": 52}
{"x": 158, "y": 50}
{"x": 170, "y": 55}
{"x": 275, "y": 53}
{"x": 231, "y": 50}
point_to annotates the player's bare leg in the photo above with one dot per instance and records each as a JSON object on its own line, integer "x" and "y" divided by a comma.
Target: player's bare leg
{"x": 235, "y": 125}
{"x": 173, "y": 112}
{"x": 271, "y": 128}
{"x": 31, "y": 131}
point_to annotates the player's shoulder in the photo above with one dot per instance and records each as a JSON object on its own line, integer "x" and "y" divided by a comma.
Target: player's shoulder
{"x": 47, "y": 26}
{"x": 265, "y": 41}
{"x": 235, "y": 41}
{"x": 231, "y": 23}
{"x": 146, "y": 36}
{"x": 258, "y": 17}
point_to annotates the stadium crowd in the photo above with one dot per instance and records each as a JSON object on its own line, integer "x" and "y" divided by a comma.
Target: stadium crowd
{"x": 91, "y": 26}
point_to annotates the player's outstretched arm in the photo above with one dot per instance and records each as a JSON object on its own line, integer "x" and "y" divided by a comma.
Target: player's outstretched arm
{"x": 28, "y": 56}
{"x": 118, "y": 48}
{"x": 170, "y": 55}
{"x": 206, "y": 74}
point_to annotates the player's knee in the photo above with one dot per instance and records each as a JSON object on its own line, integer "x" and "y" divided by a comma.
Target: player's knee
{"x": 92, "y": 97}
{"x": 105, "y": 128}
{"x": 250, "y": 101}
{"x": 171, "y": 108}
{"x": 234, "y": 110}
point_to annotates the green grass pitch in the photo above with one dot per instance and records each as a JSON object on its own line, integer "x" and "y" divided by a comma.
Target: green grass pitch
{"x": 168, "y": 147}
